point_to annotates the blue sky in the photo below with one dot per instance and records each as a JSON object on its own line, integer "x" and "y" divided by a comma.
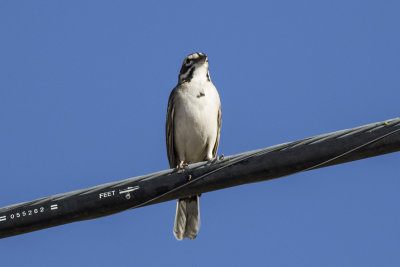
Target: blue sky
{"x": 84, "y": 87}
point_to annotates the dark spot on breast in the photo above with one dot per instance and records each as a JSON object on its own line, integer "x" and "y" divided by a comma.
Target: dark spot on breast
{"x": 201, "y": 94}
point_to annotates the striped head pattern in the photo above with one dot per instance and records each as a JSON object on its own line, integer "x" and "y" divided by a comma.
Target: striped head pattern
{"x": 194, "y": 68}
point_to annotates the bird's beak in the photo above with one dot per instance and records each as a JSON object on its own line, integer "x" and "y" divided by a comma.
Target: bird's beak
{"x": 203, "y": 59}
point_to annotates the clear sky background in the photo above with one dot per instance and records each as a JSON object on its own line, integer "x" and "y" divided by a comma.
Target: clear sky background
{"x": 84, "y": 87}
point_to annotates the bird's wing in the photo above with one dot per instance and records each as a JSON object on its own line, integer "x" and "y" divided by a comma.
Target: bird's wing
{"x": 215, "y": 149}
{"x": 169, "y": 131}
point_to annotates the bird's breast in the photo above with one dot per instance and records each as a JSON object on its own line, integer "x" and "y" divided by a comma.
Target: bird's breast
{"x": 196, "y": 124}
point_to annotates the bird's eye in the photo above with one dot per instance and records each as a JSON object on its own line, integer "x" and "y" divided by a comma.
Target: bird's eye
{"x": 188, "y": 61}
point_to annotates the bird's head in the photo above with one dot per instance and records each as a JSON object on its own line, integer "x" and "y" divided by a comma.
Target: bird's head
{"x": 194, "y": 67}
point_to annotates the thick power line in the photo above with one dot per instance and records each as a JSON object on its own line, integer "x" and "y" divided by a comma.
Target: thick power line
{"x": 249, "y": 167}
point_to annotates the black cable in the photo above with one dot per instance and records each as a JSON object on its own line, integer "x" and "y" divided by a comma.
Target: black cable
{"x": 249, "y": 167}
{"x": 263, "y": 152}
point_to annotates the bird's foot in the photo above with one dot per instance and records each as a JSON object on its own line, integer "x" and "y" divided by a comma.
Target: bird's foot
{"x": 181, "y": 166}
{"x": 215, "y": 160}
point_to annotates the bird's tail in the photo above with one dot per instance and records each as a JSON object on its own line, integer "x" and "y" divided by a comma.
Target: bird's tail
{"x": 187, "y": 218}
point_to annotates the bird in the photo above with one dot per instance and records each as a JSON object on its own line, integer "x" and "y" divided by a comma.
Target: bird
{"x": 192, "y": 132}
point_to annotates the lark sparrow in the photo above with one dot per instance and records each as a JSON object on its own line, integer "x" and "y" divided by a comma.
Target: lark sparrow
{"x": 192, "y": 132}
